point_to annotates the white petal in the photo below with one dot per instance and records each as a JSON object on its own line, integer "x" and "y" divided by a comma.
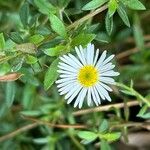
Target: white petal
{"x": 110, "y": 73}
{"x": 89, "y": 99}
{"x": 72, "y": 90}
{"x": 65, "y": 72}
{"x": 108, "y": 59}
{"x": 94, "y": 97}
{"x": 74, "y": 62}
{"x": 83, "y": 52}
{"x": 99, "y": 63}
{"x": 99, "y": 91}
{"x": 96, "y": 57}
{"x": 97, "y": 96}
{"x": 65, "y": 83}
{"x": 80, "y": 97}
{"x": 68, "y": 76}
{"x": 66, "y": 67}
{"x": 107, "y": 80}
{"x": 105, "y": 93}
{"x": 74, "y": 95}
{"x": 81, "y": 57}
{"x": 65, "y": 89}
{"x": 105, "y": 86}
{"x": 64, "y": 80}
{"x": 90, "y": 54}
{"x": 107, "y": 67}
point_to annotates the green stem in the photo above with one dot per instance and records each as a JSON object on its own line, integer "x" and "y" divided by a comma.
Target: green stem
{"x": 76, "y": 23}
{"x": 75, "y": 141}
{"x": 138, "y": 95}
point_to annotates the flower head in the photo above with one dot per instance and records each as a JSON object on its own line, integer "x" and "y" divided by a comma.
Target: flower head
{"x": 86, "y": 76}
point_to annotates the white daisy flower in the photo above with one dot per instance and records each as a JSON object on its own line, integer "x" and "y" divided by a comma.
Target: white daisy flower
{"x": 86, "y": 76}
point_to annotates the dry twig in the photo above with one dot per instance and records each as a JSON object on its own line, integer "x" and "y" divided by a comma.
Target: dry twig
{"x": 18, "y": 131}
{"x": 105, "y": 108}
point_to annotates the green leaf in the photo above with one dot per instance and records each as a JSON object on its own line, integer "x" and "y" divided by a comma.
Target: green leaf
{"x": 41, "y": 140}
{"x": 135, "y": 4}
{"x": 142, "y": 113}
{"x": 55, "y": 51}
{"x": 82, "y": 39}
{"x": 138, "y": 33}
{"x": 28, "y": 98}
{"x": 58, "y": 26}
{"x": 109, "y": 24}
{"x": 131, "y": 84}
{"x": 111, "y": 136}
{"x": 123, "y": 15}
{"x": 87, "y": 135}
{"x": 2, "y": 41}
{"x": 10, "y": 93}
{"x": 144, "y": 116}
{"x": 17, "y": 63}
{"x": 94, "y": 4}
{"x": 24, "y": 14}
{"x": 15, "y": 36}
{"x": 29, "y": 77}
{"x": 85, "y": 142}
{"x": 127, "y": 92}
{"x": 45, "y": 7}
{"x": 29, "y": 48}
{"x": 102, "y": 37}
{"x": 112, "y": 7}
{"x": 104, "y": 145}
{"x": 51, "y": 74}
{"x": 36, "y": 39}
{"x": 103, "y": 126}
{"x": 31, "y": 59}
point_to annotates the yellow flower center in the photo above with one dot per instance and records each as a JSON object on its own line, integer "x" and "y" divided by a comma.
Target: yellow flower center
{"x": 88, "y": 76}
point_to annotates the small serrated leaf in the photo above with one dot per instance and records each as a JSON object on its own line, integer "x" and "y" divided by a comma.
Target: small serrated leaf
{"x": 24, "y": 14}
{"x": 10, "y": 93}
{"x": 103, "y": 126}
{"x": 45, "y": 7}
{"x": 31, "y": 59}
{"x": 111, "y": 136}
{"x": 82, "y": 39}
{"x": 94, "y": 4}
{"x": 58, "y": 26}
{"x": 15, "y": 36}
{"x": 104, "y": 145}
{"x": 51, "y": 74}
{"x": 109, "y": 24}
{"x": 2, "y": 42}
{"x": 55, "y": 51}
{"x": 123, "y": 15}
{"x": 87, "y": 135}
{"x": 112, "y": 7}
{"x": 135, "y": 4}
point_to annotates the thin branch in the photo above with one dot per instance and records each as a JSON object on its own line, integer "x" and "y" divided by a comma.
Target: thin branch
{"x": 86, "y": 17}
{"x": 105, "y": 108}
{"x": 132, "y": 40}
{"x": 18, "y": 131}
{"x": 145, "y": 125}
{"x": 76, "y": 23}
{"x": 62, "y": 126}
{"x": 36, "y": 123}
{"x": 130, "y": 51}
